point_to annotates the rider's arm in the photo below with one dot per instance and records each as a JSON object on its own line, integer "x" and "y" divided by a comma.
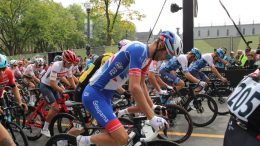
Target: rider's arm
{"x": 153, "y": 81}
{"x": 191, "y": 77}
{"x": 35, "y": 79}
{"x": 5, "y": 138}
{"x": 17, "y": 95}
{"x": 72, "y": 83}
{"x": 138, "y": 94}
{"x": 64, "y": 80}
{"x": 215, "y": 71}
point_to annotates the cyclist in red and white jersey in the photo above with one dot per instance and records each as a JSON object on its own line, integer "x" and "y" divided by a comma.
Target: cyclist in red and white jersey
{"x": 49, "y": 85}
{"x": 21, "y": 66}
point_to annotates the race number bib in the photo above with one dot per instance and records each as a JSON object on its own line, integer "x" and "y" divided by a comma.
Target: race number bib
{"x": 245, "y": 98}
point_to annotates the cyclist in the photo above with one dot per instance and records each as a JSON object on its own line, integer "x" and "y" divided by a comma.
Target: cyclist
{"x": 7, "y": 78}
{"x": 49, "y": 85}
{"x": 207, "y": 59}
{"x": 84, "y": 78}
{"x": 15, "y": 70}
{"x": 32, "y": 72}
{"x": 21, "y": 66}
{"x": 132, "y": 63}
{"x": 244, "y": 104}
{"x": 168, "y": 72}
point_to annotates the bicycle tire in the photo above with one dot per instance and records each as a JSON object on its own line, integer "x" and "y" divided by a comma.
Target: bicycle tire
{"x": 29, "y": 127}
{"x": 14, "y": 128}
{"x": 210, "y": 104}
{"x": 57, "y": 119}
{"x": 160, "y": 143}
{"x": 180, "y": 133}
{"x": 71, "y": 140}
{"x": 221, "y": 100}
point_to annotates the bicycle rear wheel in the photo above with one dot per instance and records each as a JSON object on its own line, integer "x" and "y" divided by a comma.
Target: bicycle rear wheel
{"x": 180, "y": 124}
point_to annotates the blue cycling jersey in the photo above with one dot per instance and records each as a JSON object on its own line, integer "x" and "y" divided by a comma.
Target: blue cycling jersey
{"x": 130, "y": 60}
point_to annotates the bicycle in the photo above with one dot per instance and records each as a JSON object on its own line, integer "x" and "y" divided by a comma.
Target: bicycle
{"x": 136, "y": 136}
{"x": 36, "y": 116}
{"x": 15, "y": 131}
{"x": 201, "y": 108}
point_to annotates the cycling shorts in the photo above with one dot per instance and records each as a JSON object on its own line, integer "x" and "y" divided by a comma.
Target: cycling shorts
{"x": 199, "y": 75}
{"x": 49, "y": 94}
{"x": 168, "y": 77}
{"x": 98, "y": 103}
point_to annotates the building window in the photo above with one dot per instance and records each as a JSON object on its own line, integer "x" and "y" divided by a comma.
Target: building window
{"x": 253, "y": 31}
{"x": 217, "y": 32}
{"x": 208, "y": 33}
{"x": 227, "y": 32}
{"x": 199, "y": 33}
{"x": 244, "y": 30}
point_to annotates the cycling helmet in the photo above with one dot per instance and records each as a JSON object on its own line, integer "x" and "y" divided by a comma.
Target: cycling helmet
{"x": 77, "y": 60}
{"x": 220, "y": 53}
{"x": 69, "y": 56}
{"x": 122, "y": 43}
{"x": 196, "y": 53}
{"x": 13, "y": 62}
{"x": 3, "y": 61}
{"x": 57, "y": 58}
{"x": 39, "y": 61}
{"x": 172, "y": 42}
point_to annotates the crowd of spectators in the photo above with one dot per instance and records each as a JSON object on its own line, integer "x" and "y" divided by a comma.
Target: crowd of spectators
{"x": 243, "y": 59}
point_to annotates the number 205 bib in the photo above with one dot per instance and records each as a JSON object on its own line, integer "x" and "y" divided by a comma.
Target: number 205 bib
{"x": 245, "y": 98}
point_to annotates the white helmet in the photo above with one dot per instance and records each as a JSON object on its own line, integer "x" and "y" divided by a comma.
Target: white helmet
{"x": 39, "y": 61}
{"x": 172, "y": 42}
{"x": 13, "y": 62}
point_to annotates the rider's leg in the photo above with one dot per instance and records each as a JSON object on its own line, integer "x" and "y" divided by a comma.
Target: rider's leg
{"x": 5, "y": 138}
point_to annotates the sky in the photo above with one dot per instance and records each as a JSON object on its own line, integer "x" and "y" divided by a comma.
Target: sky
{"x": 210, "y": 13}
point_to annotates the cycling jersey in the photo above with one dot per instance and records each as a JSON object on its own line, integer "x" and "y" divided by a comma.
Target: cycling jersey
{"x": 155, "y": 66}
{"x": 195, "y": 67}
{"x": 84, "y": 78}
{"x": 16, "y": 72}
{"x": 31, "y": 70}
{"x": 176, "y": 63}
{"x": 56, "y": 71}
{"x": 114, "y": 73}
{"x": 6, "y": 79}
{"x": 130, "y": 60}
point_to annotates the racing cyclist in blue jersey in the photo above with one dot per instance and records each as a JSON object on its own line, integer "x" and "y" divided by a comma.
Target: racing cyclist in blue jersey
{"x": 207, "y": 59}
{"x": 130, "y": 63}
{"x": 168, "y": 72}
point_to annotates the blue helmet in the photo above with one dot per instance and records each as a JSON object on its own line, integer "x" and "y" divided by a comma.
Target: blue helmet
{"x": 196, "y": 53}
{"x": 220, "y": 53}
{"x": 172, "y": 42}
{"x": 3, "y": 61}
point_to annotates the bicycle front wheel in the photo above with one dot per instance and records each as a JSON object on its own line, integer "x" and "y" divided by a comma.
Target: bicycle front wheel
{"x": 220, "y": 96}
{"x": 202, "y": 109}
{"x": 62, "y": 139}
{"x": 17, "y": 134}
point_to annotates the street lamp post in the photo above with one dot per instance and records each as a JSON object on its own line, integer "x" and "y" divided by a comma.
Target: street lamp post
{"x": 87, "y": 5}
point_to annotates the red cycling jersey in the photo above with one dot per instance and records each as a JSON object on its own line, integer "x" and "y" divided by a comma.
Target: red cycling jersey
{"x": 6, "y": 79}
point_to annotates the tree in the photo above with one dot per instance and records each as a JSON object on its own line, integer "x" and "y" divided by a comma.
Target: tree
{"x": 103, "y": 7}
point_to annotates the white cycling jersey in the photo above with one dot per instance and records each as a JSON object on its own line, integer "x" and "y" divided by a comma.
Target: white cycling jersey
{"x": 209, "y": 59}
{"x": 31, "y": 70}
{"x": 55, "y": 72}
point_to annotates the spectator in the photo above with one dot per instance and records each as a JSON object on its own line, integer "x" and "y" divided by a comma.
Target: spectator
{"x": 257, "y": 58}
{"x": 231, "y": 59}
{"x": 239, "y": 53}
{"x": 250, "y": 62}
{"x": 243, "y": 58}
